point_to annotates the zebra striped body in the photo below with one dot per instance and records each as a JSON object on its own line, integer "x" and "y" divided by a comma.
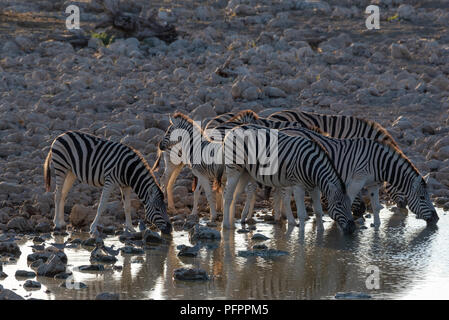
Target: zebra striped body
{"x": 172, "y": 171}
{"x": 98, "y": 162}
{"x": 300, "y": 161}
{"x": 342, "y": 127}
{"x": 363, "y": 162}
{"x": 192, "y": 155}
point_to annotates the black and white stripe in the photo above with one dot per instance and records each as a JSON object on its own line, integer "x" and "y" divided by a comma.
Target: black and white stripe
{"x": 99, "y": 162}
{"x": 300, "y": 162}
{"x": 363, "y": 162}
{"x": 193, "y": 153}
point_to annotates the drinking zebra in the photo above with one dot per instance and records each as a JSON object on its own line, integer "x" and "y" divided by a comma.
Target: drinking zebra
{"x": 339, "y": 126}
{"x": 100, "y": 162}
{"x": 300, "y": 161}
{"x": 363, "y": 162}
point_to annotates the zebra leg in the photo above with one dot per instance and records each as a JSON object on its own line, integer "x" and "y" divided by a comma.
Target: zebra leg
{"x": 196, "y": 198}
{"x": 242, "y": 183}
{"x": 249, "y": 203}
{"x": 299, "y": 194}
{"x": 205, "y": 183}
{"x": 107, "y": 189}
{"x": 233, "y": 177}
{"x": 219, "y": 201}
{"x": 60, "y": 196}
{"x": 126, "y": 197}
{"x": 373, "y": 192}
{"x": 277, "y": 197}
{"x": 287, "y": 206}
{"x": 316, "y": 203}
{"x": 171, "y": 173}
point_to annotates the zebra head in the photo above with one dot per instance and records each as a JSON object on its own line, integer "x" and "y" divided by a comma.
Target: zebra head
{"x": 156, "y": 211}
{"x": 166, "y": 143}
{"x": 419, "y": 202}
{"x": 340, "y": 210}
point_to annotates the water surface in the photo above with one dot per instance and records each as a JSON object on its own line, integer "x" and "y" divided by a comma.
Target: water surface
{"x": 412, "y": 259}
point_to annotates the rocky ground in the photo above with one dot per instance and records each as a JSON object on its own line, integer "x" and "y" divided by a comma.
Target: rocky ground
{"x": 315, "y": 56}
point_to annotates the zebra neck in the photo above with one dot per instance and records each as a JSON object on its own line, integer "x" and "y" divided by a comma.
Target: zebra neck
{"x": 398, "y": 172}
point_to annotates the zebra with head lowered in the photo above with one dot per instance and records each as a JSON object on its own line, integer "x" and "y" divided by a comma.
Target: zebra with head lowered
{"x": 172, "y": 170}
{"x": 99, "y": 162}
{"x": 363, "y": 162}
{"x": 293, "y": 161}
{"x": 339, "y": 126}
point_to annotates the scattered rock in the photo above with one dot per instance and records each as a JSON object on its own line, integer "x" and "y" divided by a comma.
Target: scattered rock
{"x": 29, "y": 284}
{"x": 186, "y": 274}
{"x": 131, "y": 250}
{"x": 25, "y": 274}
{"x": 10, "y": 248}
{"x": 6, "y": 294}
{"x": 52, "y": 267}
{"x": 81, "y": 216}
{"x": 152, "y": 237}
{"x": 203, "y": 233}
{"x": 259, "y": 237}
{"x": 186, "y": 251}
{"x": 19, "y": 224}
{"x": 91, "y": 267}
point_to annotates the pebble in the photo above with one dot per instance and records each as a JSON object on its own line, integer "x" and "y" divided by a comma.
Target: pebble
{"x": 190, "y": 274}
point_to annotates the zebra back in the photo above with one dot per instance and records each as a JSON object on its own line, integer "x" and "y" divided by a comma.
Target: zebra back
{"x": 338, "y": 126}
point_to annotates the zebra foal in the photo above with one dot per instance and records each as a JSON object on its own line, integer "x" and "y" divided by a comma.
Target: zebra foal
{"x": 99, "y": 162}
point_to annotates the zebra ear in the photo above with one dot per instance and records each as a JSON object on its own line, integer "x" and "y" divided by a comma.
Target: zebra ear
{"x": 170, "y": 119}
{"x": 426, "y": 178}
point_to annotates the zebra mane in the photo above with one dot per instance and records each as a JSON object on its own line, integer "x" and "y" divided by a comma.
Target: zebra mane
{"x": 190, "y": 121}
{"x": 245, "y": 114}
{"x": 388, "y": 137}
{"x": 147, "y": 166}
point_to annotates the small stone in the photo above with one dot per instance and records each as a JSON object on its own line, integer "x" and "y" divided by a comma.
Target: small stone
{"x": 203, "y": 233}
{"x": 25, "y": 274}
{"x": 91, "y": 267}
{"x": 243, "y": 231}
{"x": 186, "y": 251}
{"x": 52, "y": 267}
{"x": 260, "y": 247}
{"x": 29, "y": 284}
{"x": 190, "y": 274}
{"x": 19, "y": 224}
{"x": 152, "y": 237}
{"x": 399, "y": 51}
{"x": 131, "y": 250}
{"x": 63, "y": 275}
{"x": 92, "y": 242}
{"x": 259, "y": 237}
{"x": 10, "y": 248}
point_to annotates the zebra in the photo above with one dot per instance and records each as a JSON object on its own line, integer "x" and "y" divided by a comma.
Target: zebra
{"x": 340, "y": 126}
{"x": 363, "y": 162}
{"x": 99, "y": 162}
{"x": 300, "y": 161}
{"x": 172, "y": 170}
{"x": 205, "y": 172}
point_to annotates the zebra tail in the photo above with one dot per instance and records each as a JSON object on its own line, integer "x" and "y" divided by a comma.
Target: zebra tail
{"x": 194, "y": 183}
{"x": 158, "y": 159}
{"x": 47, "y": 173}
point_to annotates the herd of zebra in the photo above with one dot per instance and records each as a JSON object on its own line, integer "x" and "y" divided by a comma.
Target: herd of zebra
{"x": 329, "y": 156}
